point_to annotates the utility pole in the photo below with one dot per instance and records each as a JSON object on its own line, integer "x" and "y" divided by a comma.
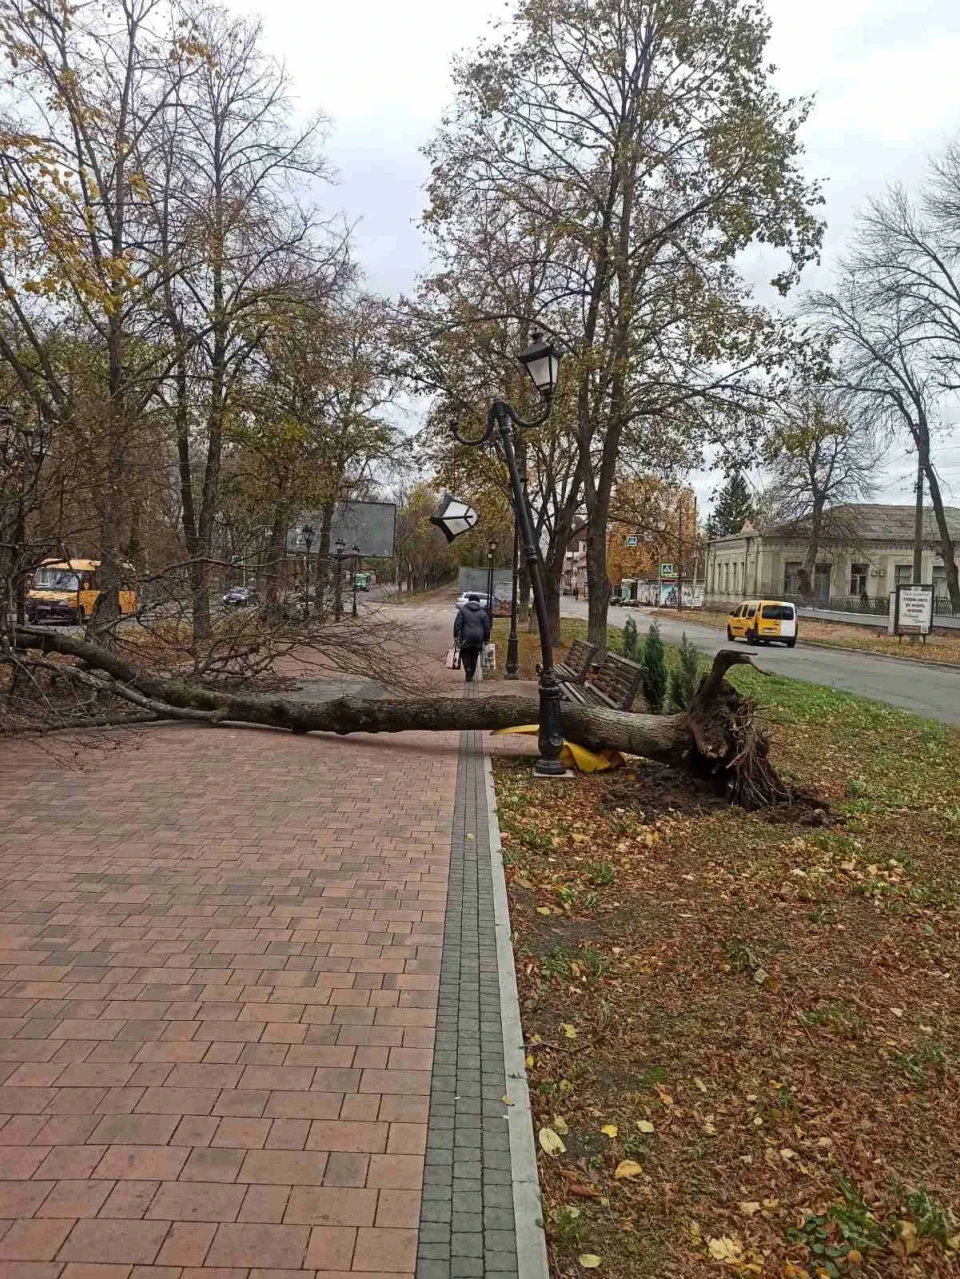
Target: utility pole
{"x": 918, "y": 526}
{"x": 680, "y": 554}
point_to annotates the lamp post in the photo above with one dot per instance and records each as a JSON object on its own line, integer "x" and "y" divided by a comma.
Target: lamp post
{"x": 542, "y": 361}
{"x": 355, "y": 550}
{"x": 513, "y": 644}
{"x": 339, "y": 546}
{"x": 491, "y": 553}
{"x": 307, "y": 533}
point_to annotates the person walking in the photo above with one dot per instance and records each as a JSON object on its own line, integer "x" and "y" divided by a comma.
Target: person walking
{"x": 472, "y": 631}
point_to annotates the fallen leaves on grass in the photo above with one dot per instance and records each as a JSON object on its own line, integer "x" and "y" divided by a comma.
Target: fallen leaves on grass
{"x": 824, "y": 1105}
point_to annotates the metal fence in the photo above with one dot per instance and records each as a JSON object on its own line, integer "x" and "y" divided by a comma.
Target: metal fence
{"x": 877, "y": 606}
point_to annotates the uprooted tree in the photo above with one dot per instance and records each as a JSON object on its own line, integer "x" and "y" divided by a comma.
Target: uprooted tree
{"x": 716, "y": 739}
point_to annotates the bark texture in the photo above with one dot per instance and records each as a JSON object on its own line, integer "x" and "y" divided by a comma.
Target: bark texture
{"x": 716, "y": 739}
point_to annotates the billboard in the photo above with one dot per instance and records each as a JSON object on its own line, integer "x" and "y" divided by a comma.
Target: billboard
{"x": 370, "y": 525}
{"x": 911, "y": 610}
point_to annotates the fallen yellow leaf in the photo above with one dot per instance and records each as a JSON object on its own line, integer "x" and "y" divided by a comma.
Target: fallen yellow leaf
{"x": 589, "y": 1260}
{"x": 627, "y": 1168}
{"x": 543, "y": 910}
{"x": 663, "y": 1095}
{"x": 530, "y": 1062}
{"x": 645, "y": 1125}
{"x": 560, "y": 1124}
{"x": 550, "y": 1142}
{"x": 610, "y": 1130}
{"x": 749, "y": 1207}
{"x": 854, "y": 1256}
{"x": 699, "y": 1084}
{"x": 506, "y": 1100}
{"x": 727, "y": 1249}
{"x": 569, "y": 1031}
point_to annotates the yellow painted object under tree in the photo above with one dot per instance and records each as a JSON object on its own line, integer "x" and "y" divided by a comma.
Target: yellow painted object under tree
{"x": 572, "y": 755}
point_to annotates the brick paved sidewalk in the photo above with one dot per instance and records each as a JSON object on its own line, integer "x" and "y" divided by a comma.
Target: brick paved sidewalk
{"x": 219, "y": 967}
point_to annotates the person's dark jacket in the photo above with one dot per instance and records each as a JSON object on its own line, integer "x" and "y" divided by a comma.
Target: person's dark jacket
{"x": 472, "y": 627}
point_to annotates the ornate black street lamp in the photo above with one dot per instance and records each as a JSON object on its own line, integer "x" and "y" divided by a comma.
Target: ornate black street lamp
{"x": 307, "y": 533}
{"x": 453, "y": 517}
{"x": 513, "y": 643}
{"x": 339, "y": 547}
{"x": 355, "y": 552}
{"x": 542, "y": 361}
{"x": 491, "y": 553}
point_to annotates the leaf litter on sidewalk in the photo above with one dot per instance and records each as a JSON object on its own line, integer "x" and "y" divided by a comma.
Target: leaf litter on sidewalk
{"x": 764, "y": 1007}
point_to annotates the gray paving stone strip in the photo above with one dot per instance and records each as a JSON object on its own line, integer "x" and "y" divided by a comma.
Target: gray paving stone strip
{"x": 481, "y": 1206}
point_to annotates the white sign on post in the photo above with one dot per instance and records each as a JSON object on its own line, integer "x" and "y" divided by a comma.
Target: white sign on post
{"x": 911, "y": 610}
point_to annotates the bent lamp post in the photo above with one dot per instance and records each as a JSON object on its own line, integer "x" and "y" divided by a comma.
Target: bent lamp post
{"x": 542, "y": 361}
{"x": 453, "y": 517}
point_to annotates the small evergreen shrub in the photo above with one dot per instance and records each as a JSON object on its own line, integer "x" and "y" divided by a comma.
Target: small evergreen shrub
{"x": 630, "y": 644}
{"x": 683, "y": 678}
{"x": 654, "y": 670}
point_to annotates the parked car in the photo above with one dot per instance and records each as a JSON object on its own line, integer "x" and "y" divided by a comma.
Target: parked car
{"x": 239, "y": 597}
{"x": 465, "y": 595}
{"x": 763, "y": 621}
{"x": 616, "y": 601}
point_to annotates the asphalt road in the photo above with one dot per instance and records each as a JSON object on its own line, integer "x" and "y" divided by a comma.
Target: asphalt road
{"x": 933, "y": 691}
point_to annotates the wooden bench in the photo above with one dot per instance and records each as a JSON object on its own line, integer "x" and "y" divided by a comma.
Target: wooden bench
{"x": 615, "y": 684}
{"x": 574, "y": 665}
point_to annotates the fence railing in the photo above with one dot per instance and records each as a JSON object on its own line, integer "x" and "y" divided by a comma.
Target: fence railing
{"x": 877, "y": 606}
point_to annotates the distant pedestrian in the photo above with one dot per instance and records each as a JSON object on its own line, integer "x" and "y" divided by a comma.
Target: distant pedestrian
{"x": 576, "y": 592}
{"x": 472, "y": 630}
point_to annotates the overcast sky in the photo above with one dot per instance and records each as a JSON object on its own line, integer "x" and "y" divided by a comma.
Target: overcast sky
{"x": 885, "y": 73}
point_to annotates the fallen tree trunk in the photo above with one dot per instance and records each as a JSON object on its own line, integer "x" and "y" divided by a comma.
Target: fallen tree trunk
{"x": 715, "y": 739}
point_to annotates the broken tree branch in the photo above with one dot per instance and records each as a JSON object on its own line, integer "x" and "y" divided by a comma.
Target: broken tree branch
{"x": 715, "y": 739}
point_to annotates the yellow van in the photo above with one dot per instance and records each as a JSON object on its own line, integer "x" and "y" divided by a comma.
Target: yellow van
{"x": 764, "y": 621}
{"x": 64, "y": 592}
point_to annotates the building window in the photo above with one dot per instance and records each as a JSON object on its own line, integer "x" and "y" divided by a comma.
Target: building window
{"x": 903, "y": 575}
{"x": 940, "y": 591}
{"x": 858, "y": 579}
{"x": 791, "y": 577}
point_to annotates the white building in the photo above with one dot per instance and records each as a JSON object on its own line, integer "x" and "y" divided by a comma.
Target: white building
{"x": 866, "y": 551}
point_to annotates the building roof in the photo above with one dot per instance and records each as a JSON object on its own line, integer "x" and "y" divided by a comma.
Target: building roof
{"x": 873, "y": 521}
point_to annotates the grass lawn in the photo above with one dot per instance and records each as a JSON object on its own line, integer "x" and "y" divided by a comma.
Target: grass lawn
{"x": 752, "y": 1019}
{"x": 942, "y": 646}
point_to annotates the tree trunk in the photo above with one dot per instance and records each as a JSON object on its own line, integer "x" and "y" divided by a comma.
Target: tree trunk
{"x": 808, "y": 568}
{"x": 716, "y": 739}
{"x": 323, "y": 560}
{"x": 947, "y": 548}
{"x": 598, "y": 587}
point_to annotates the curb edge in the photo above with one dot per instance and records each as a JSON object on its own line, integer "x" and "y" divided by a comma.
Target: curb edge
{"x": 527, "y": 1205}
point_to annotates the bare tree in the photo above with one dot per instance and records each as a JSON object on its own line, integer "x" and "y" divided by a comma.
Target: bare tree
{"x": 231, "y": 172}
{"x": 883, "y": 344}
{"x": 820, "y": 456}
